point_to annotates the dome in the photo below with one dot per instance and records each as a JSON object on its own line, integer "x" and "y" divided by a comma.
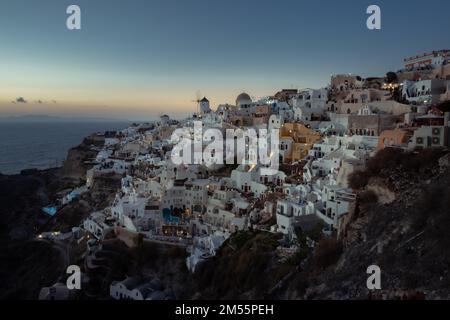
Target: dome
{"x": 243, "y": 97}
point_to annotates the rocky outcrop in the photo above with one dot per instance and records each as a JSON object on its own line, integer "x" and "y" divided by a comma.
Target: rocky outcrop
{"x": 28, "y": 265}
{"x": 379, "y": 187}
{"x": 79, "y": 159}
{"x": 406, "y": 237}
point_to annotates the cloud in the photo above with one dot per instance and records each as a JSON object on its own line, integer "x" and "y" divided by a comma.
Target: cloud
{"x": 39, "y": 101}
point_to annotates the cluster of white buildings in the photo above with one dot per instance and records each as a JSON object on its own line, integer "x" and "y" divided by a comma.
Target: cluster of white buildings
{"x": 200, "y": 206}
{"x": 324, "y": 190}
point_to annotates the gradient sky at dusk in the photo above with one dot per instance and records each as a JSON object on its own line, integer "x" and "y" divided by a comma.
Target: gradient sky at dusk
{"x": 139, "y": 58}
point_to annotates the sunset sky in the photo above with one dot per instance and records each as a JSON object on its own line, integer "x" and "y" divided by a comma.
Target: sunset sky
{"x": 139, "y": 58}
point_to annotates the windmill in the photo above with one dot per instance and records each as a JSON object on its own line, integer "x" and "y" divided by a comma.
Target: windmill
{"x": 198, "y": 96}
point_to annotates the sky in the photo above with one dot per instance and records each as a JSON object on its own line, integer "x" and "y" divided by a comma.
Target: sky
{"x": 137, "y": 59}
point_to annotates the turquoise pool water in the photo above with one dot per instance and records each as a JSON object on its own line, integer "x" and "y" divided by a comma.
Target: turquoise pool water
{"x": 51, "y": 210}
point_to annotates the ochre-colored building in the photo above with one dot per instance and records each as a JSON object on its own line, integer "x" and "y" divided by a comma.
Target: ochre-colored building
{"x": 295, "y": 142}
{"x": 393, "y": 138}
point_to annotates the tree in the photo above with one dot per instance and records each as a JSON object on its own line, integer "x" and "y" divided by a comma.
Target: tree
{"x": 444, "y": 106}
{"x": 391, "y": 77}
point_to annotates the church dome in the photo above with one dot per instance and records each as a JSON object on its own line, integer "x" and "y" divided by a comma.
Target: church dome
{"x": 243, "y": 98}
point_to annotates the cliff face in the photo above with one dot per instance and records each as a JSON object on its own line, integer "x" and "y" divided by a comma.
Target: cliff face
{"x": 28, "y": 264}
{"x": 78, "y": 158}
{"x": 22, "y": 198}
{"x": 245, "y": 268}
{"x": 401, "y": 224}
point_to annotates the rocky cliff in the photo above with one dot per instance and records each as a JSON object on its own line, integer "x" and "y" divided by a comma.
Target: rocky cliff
{"x": 400, "y": 224}
{"x": 28, "y": 264}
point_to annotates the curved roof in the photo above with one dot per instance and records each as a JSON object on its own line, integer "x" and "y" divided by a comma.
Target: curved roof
{"x": 243, "y": 97}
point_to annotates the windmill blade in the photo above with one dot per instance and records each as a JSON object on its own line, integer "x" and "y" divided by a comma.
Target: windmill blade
{"x": 198, "y": 95}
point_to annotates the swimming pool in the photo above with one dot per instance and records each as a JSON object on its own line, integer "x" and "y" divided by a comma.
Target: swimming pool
{"x": 50, "y": 210}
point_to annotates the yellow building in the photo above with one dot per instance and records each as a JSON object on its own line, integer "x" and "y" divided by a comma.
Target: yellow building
{"x": 295, "y": 142}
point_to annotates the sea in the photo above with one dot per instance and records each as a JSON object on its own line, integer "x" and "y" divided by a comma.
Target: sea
{"x": 44, "y": 145}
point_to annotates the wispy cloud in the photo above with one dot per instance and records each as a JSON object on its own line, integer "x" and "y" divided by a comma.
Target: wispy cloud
{"x": 39, "y": 101}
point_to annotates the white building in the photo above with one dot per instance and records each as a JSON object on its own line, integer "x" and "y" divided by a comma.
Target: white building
{"x": 288, "y": 210}
{"x": 433, "y": 59}
{"x": 196, "y": 194}
{"x": 430, "y": 137}
{"x": 164, "y": 120}
{"x": 58, "y": 291}
{"x": 309, "y": 104}
{"x": 426, "y": 92}
{"x": 98, "y": 224}
{"x": 275, "y": 122}
{"x": 205, "y": 247}
{"x": 285, "y": 111}
{"x": 335, "y": 202}
{"x": 243, "y": 176}
{"x": 204, "y": 106}
{"x": 136, "y": 289}
{"x": 244, "y": 104}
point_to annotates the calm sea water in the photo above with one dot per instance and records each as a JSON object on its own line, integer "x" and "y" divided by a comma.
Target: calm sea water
{"x": 43, "y": 145}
